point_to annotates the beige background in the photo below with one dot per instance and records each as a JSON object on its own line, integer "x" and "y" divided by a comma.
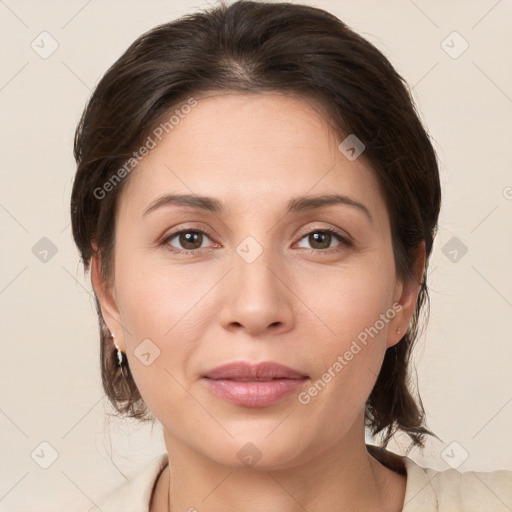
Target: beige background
{"x": 50, "y": 381}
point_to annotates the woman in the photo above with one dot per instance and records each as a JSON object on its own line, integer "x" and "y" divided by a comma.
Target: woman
{"x": 257, "y": 200}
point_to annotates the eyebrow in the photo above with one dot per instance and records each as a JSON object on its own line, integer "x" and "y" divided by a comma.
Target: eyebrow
{"x": 294, "y": 205}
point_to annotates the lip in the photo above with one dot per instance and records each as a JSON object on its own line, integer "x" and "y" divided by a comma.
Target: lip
{"x": 242, "y": 371}
{"x": 254, "y": 385}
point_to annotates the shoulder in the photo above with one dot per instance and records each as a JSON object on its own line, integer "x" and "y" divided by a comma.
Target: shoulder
{"x": 443, "y": 491}
{"x": 135, "y": 494}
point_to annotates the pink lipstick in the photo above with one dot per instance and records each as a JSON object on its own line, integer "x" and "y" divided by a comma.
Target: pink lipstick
{"x": 254, "y": 385}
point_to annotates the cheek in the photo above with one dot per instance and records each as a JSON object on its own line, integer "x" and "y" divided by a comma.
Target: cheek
{"x": 352, "y": 302}
{"x": 356, "y": 311}
{"x": 154, "y": 298}
{"x": 165, "y": 311}
{"x": 159, "y": 309}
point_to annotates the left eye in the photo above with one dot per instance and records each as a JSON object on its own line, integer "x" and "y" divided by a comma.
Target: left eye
{"x": 321, "y": 239}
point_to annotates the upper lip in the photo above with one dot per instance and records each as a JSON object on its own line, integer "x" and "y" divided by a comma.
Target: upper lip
{"x": 243, "y": 371}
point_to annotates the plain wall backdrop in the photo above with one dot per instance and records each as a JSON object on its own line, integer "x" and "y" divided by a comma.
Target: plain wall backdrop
{"x": 455, "y": 56}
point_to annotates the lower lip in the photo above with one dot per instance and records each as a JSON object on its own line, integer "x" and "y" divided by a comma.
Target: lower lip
{"x": 254, "y": 393}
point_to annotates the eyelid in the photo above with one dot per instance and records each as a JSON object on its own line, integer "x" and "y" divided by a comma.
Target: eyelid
{"x": 329, "y": 229}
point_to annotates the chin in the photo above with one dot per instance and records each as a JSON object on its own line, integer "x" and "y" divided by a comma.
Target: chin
{"x": 258, "y": 452}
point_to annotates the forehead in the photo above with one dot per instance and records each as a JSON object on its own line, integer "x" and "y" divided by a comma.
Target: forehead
{"x": 251, "y": 149}
{"x": 227, "y": 125}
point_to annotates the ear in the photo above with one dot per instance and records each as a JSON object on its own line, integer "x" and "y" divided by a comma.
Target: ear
{"x": 107, "y": 300}
{"x": 405, "y": 296}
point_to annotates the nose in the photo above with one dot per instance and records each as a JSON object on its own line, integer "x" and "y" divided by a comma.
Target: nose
{"x": 256, "y": 297}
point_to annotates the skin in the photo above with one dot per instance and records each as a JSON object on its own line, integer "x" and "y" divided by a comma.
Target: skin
{"x": 254, "y": 152}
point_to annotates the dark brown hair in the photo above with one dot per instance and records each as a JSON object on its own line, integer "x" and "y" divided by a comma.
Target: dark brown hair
{"x": 255, "y": 47}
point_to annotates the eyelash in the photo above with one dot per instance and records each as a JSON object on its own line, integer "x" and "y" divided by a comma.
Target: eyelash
{"x": 342, "y": 239}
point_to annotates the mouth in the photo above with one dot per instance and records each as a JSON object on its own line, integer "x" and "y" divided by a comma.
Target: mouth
{"x": 254, "y": 385}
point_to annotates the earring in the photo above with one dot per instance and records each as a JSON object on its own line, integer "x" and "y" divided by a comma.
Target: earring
{"x": 119, "y": 357}
{"x": 119, "y": 353}
{"x": 398, "y": 331}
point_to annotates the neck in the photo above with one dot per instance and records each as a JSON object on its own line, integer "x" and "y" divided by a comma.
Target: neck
{"x": 344, "y": 477}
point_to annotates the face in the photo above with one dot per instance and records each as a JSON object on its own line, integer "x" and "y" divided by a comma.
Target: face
{"x": 260, "y": 272}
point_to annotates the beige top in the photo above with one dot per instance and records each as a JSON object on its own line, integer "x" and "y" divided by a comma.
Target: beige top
{"x": 427, "y": 490}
